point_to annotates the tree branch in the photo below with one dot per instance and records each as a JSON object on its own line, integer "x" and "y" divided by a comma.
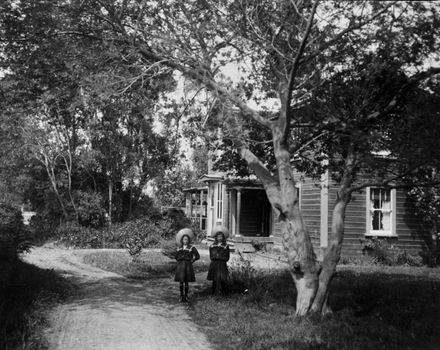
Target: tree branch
{"x": 386, "y": 182}
{"x": 412, "y": 80}
{"x": 349, "y": 29}
{"x": 269, "y": 182}
{"x": 296, "y": 62}
{"x": 203, "y": 78}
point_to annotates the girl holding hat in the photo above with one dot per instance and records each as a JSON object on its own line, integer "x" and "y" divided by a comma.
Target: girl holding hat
{"x": 219, "y": 254}
{"x": 186, "y": 255}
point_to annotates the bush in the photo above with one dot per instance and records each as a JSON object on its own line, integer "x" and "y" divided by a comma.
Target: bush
{"x": 14, "y": 238}
{"x": 90, "y": 209}
{"x": 143, "y": 233}
{"x": 134, "y": 235}
{"x": 384, "y": 253}
{"x": 169, "y": 249}
{"x": 258, "y": 246}
{"x": 255, "y": 284}
{"x": 74, "y": 235}
{"x": 43, "y": 227}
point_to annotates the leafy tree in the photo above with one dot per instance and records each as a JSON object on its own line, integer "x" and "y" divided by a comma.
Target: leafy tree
{"x": 304, "y": 55}
{"x": 85, "y": 109}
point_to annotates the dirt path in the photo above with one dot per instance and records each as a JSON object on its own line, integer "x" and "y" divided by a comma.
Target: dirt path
{"x": 112, "y": 312}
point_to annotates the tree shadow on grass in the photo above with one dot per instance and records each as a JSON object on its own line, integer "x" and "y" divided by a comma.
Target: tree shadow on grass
{"x": 371, "y": 310}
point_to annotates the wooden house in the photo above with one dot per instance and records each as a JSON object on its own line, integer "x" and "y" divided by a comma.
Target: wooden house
{"x": 243, "y": 207}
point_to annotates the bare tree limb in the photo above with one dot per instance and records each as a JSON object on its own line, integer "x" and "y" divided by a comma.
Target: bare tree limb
{"x": 296, "y": 62}
{"x": 341, "y": 34}
{"x": 270, "y": 183}
{"x": 201, "y": 76}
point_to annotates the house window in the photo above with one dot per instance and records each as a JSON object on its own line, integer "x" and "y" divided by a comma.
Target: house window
{"x": 219, "y": 201}
{"x": 381, "y": 211}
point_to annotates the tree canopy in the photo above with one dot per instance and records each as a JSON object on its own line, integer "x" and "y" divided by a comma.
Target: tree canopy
{"x": 315, "y": 84}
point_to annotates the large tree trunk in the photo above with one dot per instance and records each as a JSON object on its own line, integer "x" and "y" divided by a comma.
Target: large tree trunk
{"x": 282, "y": 194}
{"x": 333, "y": 251}
{"x": 311, "y": 279}
{"x": 302, "y": 260}
{"x": 331, "y": 256}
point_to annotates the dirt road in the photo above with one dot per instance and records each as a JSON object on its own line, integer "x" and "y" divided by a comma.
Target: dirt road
{"x": 112, "y": 312}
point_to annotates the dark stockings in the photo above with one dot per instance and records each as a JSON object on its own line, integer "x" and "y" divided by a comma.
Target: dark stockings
{"x": 184, "y": 297}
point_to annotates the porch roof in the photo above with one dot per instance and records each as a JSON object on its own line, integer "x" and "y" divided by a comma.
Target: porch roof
{"x": 211, "y": 177}
{"x": 195, "y": 189}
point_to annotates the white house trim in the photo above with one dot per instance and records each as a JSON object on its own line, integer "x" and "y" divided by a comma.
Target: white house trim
{"x": 324, "y": 211}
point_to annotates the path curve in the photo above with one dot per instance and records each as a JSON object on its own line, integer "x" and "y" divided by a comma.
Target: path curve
{"x": 115, "y": 313}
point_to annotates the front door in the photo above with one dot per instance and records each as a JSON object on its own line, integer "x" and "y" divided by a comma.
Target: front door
{"x": 255, "y": 213}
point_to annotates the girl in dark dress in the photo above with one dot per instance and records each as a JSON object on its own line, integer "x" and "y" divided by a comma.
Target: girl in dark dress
{"x": 219, "y": 254}
{"x": 186, "y": 255}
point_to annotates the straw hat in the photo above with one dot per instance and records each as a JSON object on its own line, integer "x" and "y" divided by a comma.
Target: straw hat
{"x": 220, "y": 229}
{"x": 184, "y": 232}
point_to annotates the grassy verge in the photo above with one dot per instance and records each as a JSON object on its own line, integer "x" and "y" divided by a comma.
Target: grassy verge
{"x": 26, "y": 292}
{"x": 149, "y": 264}
{"x": 373, "y": 309}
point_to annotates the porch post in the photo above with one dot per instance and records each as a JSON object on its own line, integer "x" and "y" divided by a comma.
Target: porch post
{"x": 201, "y": 209}
{"x": 237, "y": 233}
{"x": 191, "y": 206}
{"x": 187, "y": 200}
{"x": 226, "y": 208}
{"x": 324, "y": 212}
{"x": 233, "y": 227}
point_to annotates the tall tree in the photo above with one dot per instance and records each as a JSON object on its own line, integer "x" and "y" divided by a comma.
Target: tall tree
{"x": 287, "y": 50}
{"x": 95, "y": 101}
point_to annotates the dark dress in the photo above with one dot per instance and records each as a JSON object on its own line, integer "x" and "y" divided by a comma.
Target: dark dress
{"x": 185, "y": 258}
{"x": 218, "y": 270}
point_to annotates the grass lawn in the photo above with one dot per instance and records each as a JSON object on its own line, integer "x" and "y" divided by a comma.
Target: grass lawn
{"x": 374, "y": 308}
{"x": 150, "y": 263}
{"x": 26, "y": 293}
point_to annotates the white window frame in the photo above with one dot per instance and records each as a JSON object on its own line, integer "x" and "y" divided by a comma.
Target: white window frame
{"x": 381, "y": 233}
{"x": 299, "y": 194}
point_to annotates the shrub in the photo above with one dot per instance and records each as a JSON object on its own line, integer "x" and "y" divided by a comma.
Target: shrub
{"x": 169, "y": 249}
{"x": 259, "y": 245}
{"x": 384, "y": 253}
{"x": 90, "y": 208}
{"x": 143, "y": 233}
{"x": 14, "y": 238}
{"x": 74, "y": 235}
{"x": 403, "y": 258}
{"x": 255, "y": 284}
{"x": 43, "y": 227}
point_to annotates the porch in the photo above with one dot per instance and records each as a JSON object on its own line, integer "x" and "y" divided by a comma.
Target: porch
{"x": 196, "y": 206}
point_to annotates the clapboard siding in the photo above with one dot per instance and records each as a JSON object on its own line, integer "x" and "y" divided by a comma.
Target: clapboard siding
{"x": 310, "y": 202}
{"x": 310, "y": 197}
{"x": 355, "y": 222}
{"x": 410, "y": 230}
